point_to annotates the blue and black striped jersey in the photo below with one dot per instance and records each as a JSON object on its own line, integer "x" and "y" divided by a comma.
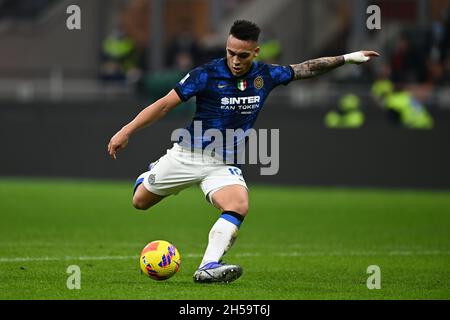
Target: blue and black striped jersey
{"x": 228, "y": 102}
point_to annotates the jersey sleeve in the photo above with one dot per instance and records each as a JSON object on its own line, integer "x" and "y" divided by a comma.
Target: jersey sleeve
{"x": 192, "y": 84}
{"x": 281, "y": 74}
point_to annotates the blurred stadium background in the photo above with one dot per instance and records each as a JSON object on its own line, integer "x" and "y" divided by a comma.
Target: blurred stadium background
{"x": 371, "y": 129}
{"x": 64, "y": 93}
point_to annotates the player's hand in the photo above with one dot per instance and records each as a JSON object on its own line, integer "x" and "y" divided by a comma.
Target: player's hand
{"x": 118, "y": 142}
{"x": 359, "y": 57}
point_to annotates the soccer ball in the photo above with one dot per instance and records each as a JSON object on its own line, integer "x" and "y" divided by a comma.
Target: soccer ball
{"x": 160, "y": 260}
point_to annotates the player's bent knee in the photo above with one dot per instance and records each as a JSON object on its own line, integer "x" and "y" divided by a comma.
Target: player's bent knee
{"x": 144, "y": 199}
{"x": 231, "y": 199}
{"x": 240, "y": 207}
{"x": 141, "y": 204}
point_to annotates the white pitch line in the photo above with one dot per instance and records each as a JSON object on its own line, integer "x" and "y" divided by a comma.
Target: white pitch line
{"x": 245, "y": 254}
{"x": 82, "y": 258}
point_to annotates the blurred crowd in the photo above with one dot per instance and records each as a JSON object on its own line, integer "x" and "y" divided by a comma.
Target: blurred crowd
{"x": 125, "y": 51}
{"x": 414, "y": 65}
{"x": 413, "y": 71}
{"x": 421, "y": 55}
{"x": 18, "y": 9}
{"x": 125, "y": 48}
{"x": 416, "y": 56}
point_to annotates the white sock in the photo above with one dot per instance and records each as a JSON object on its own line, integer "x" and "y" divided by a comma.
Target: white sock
{"x": 221, "y": 238}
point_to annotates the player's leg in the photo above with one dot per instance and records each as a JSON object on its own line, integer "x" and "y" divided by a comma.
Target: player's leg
{"x": 144, "y": 199}
{"x": 145, "y": 194}
{"x": 167, "y": 176}
{"x": 232, "y": 201}
{"x": 229, "y": 194}
{"x": 231, "y": 198}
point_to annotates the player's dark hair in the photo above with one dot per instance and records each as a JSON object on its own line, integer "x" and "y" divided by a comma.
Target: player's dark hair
{"x": 245, "y": 30}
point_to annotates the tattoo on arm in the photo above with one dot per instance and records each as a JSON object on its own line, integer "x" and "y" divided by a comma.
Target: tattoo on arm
{"x": 315, "y": 67}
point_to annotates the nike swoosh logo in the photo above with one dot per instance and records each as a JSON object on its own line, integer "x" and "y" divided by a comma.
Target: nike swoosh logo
{"x": 221, "y": 86}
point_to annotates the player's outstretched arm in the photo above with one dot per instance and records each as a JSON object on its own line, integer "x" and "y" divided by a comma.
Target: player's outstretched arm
{"x": 315, "y": 67}
{"x": 145, "y": 118}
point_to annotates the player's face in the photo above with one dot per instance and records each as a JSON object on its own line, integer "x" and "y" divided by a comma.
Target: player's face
{"x": 240, "y": 55}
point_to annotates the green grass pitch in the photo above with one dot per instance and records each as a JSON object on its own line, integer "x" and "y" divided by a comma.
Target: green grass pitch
{"x": 296, "y": 243}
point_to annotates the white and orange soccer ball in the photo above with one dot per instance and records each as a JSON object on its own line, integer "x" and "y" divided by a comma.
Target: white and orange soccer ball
{"x": 160, "y": 260}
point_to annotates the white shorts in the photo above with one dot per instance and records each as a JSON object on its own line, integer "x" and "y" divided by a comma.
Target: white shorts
{"x": 181, "y": 168}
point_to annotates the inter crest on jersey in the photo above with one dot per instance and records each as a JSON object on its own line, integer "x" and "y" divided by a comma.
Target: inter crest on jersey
{"x": 258, "y": 82}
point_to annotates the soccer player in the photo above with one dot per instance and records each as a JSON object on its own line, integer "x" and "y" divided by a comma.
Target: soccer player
{"x": 220, "y": 87}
